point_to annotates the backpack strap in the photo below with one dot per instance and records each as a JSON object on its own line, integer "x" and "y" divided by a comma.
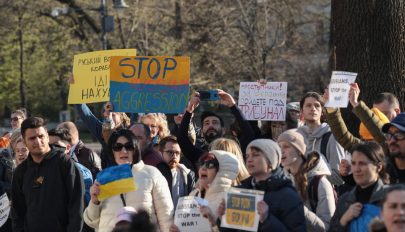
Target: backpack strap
{"x": 324, "y": 143}
{"x": 313, "y": 191}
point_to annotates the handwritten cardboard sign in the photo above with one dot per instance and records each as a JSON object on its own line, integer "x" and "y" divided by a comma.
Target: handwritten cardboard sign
{"x": 241, "y": 209}
{"x": 263, "y": 102}
{"x": 188, "y": 217}
{"x": 152, "y": 84}
{"x": 339, "y": 87}
{"x": 91, "y": 72}
{"x": 4, "y": 209}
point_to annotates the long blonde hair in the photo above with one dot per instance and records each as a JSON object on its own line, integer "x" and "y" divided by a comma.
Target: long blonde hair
{"x": 161, "y": 123}
{"x": 231, "y": 146}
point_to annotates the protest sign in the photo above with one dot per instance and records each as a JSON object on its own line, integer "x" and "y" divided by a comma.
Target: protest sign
{"x": 115, "y": 180}
{"x": 339, "y": 87}
{"x": 91, "y": 72}
{"x": 263, "y": 102}
{"x": 150, "y": 84}
{"x": 241, "y": 209}
{"x": 4, "y": 209}
{"x": 188, "y": 217}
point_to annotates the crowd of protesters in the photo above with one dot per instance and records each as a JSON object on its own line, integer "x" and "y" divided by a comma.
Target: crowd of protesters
{"x": 315, "y": 174}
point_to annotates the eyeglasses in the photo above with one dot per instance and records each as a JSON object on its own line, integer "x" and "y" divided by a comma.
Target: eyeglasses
{"x": 398, "y": 136}
{"x": 15, "y": 119}
{"x": 171, "y": 153}
{"x": 128, "y": 146}
{"x": 209, "y": 164}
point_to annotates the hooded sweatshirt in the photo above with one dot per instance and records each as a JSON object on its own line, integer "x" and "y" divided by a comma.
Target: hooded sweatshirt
{"x": 319, "y": 219}
{"x": 227, "y": 173}
{"x": 334, "y": 152}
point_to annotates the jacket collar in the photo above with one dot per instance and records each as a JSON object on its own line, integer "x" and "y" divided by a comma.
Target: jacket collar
{"x": 376, "y": 196}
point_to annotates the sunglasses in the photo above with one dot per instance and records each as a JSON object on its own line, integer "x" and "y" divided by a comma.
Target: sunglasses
{"x": 15, "y": 119}
{"x": 209, "y": 164}
{"x": 128, "y": 146}
{"x": 398, "y": 136}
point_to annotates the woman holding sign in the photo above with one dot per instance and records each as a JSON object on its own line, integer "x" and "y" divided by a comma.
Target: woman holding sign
{"x": 309, "y": 173}
{"x": 151, "y": 194}
{"x": 217, "y": 170}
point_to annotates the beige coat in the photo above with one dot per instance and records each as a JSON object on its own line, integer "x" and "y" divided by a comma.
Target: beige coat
{"x": 152, "y": 194}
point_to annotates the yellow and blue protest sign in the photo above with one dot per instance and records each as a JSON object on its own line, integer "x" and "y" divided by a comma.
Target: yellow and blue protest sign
{"x": 241, "y": 212}
{"x": 115, "y": 180}
{"x": 149, "y": 84}
{"x": 91, "y": 72}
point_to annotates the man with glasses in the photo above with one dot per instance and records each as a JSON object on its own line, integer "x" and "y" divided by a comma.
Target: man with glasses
{"x": 395, "y": 135}
{"x": 183, "y": 178}
{"x": 150, "y": 155}
{"x": 47, "y": 188}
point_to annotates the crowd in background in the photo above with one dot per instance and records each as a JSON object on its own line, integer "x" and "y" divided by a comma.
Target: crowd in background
{"x": 315, "y": 174}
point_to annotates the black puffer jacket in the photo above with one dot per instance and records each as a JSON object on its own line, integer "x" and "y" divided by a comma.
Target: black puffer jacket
{"x": 286, "y": 209}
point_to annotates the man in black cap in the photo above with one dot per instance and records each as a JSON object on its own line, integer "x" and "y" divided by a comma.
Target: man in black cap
{"x": 395, "y": 135}
{"x": 212, "y": 126}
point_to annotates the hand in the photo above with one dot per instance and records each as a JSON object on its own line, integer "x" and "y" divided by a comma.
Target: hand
{"x": 344, "y": 167}
{"x": 262, "y": 81}
{"x": 354, "y": 93}
{"x": 207, "y": 213}
{"x": 178, "y": 118}
{"x": 108, "y": 108}
{"x": 71, "y": 80}
{"x": 351, "y": 213}
{"x": 226, "y": 98}
{"x": 174, "y": 228}
{"x": 194, "y": 102}
{"x": 94, "y": 192}
{"x": 262, "y": 210}
{"x": 221, "y": 208}
{"x": 325, "y": 95}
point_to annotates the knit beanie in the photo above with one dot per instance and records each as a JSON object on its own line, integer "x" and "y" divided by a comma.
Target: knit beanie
{"x": 364, "y": 133}
{"x": 271, "y": 151}
{"x": 295, "y": 139}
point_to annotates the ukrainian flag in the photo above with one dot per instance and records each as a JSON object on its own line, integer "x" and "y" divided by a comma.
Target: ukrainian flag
{"x": 115, "y": 180}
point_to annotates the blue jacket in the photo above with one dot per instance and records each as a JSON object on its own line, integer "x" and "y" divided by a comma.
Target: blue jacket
{"x": 286, "y": 209}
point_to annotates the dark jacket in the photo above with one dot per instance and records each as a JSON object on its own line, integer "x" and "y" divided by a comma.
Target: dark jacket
{"x": 88, "y": 158}
{"x": 286, "y": 209}
{"x": 6, "y": 171}
{"x": 47, "y": 196}
{"x": 393, "y": 171}
{"x": 152, "y": 157}
{"x": 348, "y": 199}
{"x": 193, "y": 153}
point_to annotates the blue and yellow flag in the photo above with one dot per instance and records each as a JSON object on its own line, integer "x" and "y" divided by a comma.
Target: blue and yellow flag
{"x": 115, "y": 180}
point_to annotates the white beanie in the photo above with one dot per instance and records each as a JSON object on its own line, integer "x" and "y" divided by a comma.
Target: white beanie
{"x": 270, "y": 149}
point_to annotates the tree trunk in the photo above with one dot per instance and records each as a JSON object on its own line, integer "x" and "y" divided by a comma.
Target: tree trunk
{"x": 367, "y": 37}
{"x": 21, "y": 45}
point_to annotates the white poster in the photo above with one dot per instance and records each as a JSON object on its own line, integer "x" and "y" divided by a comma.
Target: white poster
{"x": 188, "y": 217}
{"x": 339, "y": 87}
{"x": 4, "y": 209}
{"x": 241, "y": 209}
{"x": 263, "y": 102}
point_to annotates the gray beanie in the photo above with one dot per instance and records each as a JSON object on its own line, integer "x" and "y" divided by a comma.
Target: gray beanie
{"x": 270, "y": 149}
{"x": 295, "y": 139}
